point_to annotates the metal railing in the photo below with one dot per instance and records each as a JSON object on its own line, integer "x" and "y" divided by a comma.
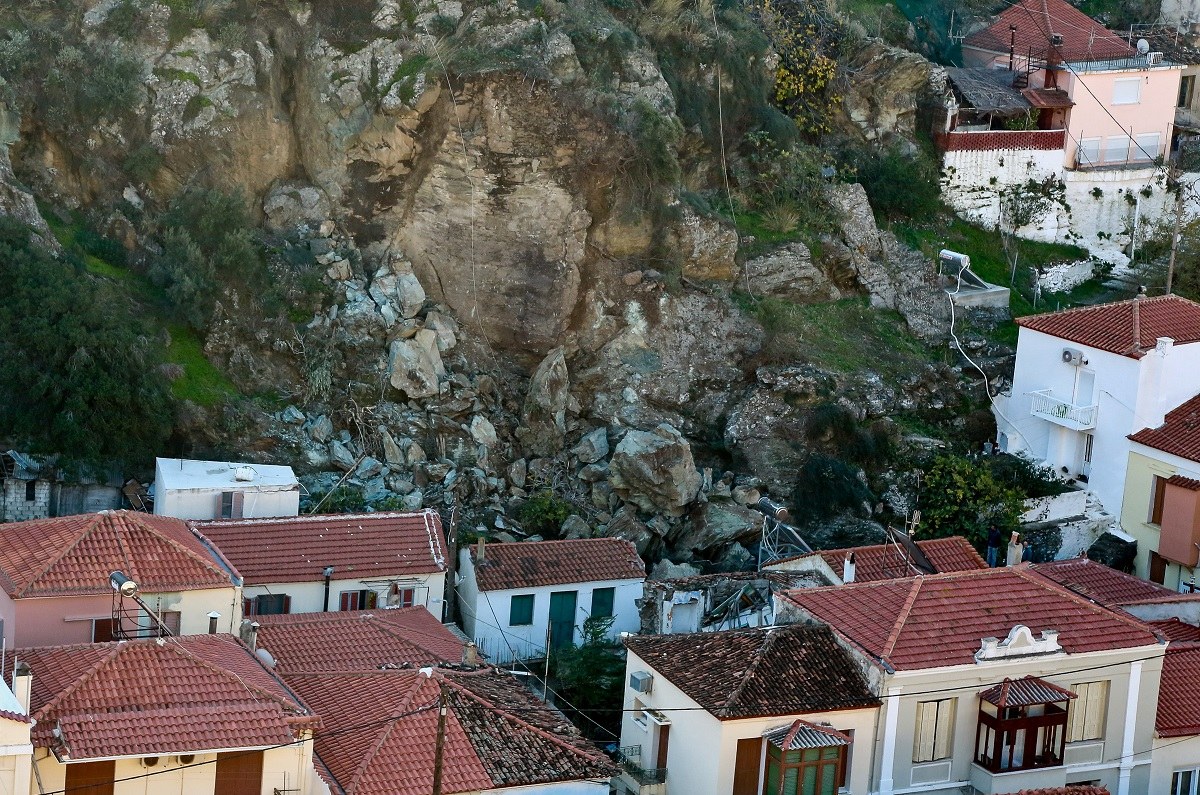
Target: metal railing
{"x": 630, "y": 757}
{"x": 1061, "y": 412}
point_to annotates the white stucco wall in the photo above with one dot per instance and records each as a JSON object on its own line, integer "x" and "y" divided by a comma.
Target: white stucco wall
{"x": 702, "y": 750}
{"x": 1171, "y": 754}
{"x": 485, "y": 614}
{"x": 556, "y": 788}
{"x": 1131, "y": 394}
{"x": 309, "y": 596}
{"x": 972, "y": 181}
{"x": 257, "y": 503}
{"x": 194, "y": 607}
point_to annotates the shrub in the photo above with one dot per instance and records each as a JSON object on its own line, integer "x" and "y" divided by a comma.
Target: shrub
{"x": 544, "y": 513}
{"x": 899, "y": 184}
{"x": 83, "y": 89}
{"x": 826, "y": 486}
{"x": 143, "y": 162}
{"x": 187, "y": 276}
{"x": 961, "y": 497}
{"x": 1027, "y": 477}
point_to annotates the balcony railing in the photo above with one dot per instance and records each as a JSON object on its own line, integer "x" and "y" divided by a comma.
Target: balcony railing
{"x": 999, "y": 140}
{"x": 630, "y": 757}
{"x": 1060, "y": 412}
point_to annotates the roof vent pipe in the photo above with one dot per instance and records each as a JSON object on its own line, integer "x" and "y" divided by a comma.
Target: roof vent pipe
{"x": 848, "y": 567}
{"x": 480, "y": 551}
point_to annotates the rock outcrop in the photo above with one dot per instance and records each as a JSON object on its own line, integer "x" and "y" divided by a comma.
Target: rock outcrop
{"x": 655, "y": 471}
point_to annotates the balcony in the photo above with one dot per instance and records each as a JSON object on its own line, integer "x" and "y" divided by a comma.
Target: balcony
{"x": 649, "y": 781}
{"x": 1060, "y": 412}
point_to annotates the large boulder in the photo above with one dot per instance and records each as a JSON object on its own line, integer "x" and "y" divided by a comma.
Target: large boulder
{"x": 789, "y": 273}
{"x": 626, "y": 525}
{"x": 415, "y": 365}
{"x": 714, "y": 525}
{"x": 395, "y": 286}
{"x": 544, "y": 416}
{"x": 655, "y": 471}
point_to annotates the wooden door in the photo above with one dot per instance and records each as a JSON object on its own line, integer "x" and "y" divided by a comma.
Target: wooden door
{"x": 239, "y": 773}
{"x": 746, "y": 765}
{"x": 562, "y": 619}
{"x": 664, "y": 736}
{"x": 1158, "y": 567}
{"x": 91, "y": 778}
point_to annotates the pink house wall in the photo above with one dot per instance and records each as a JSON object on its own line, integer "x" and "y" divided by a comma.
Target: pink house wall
{"x": 59, "y": 620}
{"x": 1092, "y": 93}
{"x": 8, "y": 614}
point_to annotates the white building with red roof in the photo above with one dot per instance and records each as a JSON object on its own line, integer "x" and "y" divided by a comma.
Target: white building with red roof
{"x": 999, "y": 680}
{"x": 315, "y": 563}
{"x": 1056, "y": 116}
{"x": 515, "y": 599}
{"x": 1087, "y": 378}
{"x": 54, "y": 578}
{"x": 198, "y": 714}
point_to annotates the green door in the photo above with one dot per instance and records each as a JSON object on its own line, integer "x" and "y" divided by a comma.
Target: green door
{"x": 562, "y": 619}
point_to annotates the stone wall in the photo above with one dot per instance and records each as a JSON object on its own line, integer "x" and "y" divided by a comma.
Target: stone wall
{"x": 15, "y": 508}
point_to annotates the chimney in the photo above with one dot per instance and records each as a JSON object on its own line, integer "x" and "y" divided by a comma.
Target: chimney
{"x": 22, "y": 684}
{"x": 249, "y": 633}
{"x": 213, "y": 617}
{"x": 470, "y": 655}
{"x": 848, "y": 569}
{"x": 480, "y": 553}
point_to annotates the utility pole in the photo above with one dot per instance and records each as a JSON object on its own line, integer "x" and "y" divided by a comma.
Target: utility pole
{"x": 439, "y": 747}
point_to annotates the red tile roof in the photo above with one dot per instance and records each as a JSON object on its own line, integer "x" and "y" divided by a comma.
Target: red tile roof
{"x": 1191, "y": 484}
{"x": 1084, "y": 39}
{"x": 1025, "y": 692}
{"x": 1070, "y": 789}
{"x": 73, "y": 555}
{"x": 941, "y": 619}
{"x": 298, "y": 548}
{"x": 1111, "y": 327}
{"x": 1178, "y": 695}
{"x": 497, "y": 734}
{"x": 1104, "y": 585}
{"x": 1175, "y": 630}
{"x": 749, "y": 673}
{"x": 886, "y": 561}
{"x": 529, "y": 564}
{"x": 1179, "y": 434}
{"x": 154, "y": 697}
{"x": 360, "y": 640}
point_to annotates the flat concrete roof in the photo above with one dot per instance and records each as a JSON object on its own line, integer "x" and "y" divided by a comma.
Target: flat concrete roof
{"x": 176, "y": 473}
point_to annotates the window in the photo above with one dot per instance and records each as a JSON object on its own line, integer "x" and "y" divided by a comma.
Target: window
{"x": 30, "y": 490}
{"x": 1085, "y": 716}
{"x": 1016, "y": 732}
{"x": 401, "y": 597}
{"x": 1116, "y": 148}
{"x": 268, "y": 604}
{"x": 149, "y": 628}
{"x": 1185, "y": 782}
{"x": 103, "y": 630}
{"x": 1146, "y": 147}
{"x": 1089, "y": 151}
{"x": 520, "y": 611}
{"x": 934, "y": 738}
{"x": 1158, "y": 493}
{"x": 602, "y": 602}
{"x": 1127, "y": 92}
{"x": 1187, "y": 86}
{"x": 809, "y": 771}
{"x": 231, "y": 505}
{"x": 359, "y": 600}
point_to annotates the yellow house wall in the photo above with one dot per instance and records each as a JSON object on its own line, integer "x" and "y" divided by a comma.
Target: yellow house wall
{"x": 1144, "y": 465}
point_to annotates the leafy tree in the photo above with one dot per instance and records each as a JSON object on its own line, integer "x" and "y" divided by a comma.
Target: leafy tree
{"x": 828, "y": 485}
{"x": 592, "y": 677}
{"x": 79, "y": 372}
{"x": 544, "y": 513}
{"x": 961, "y": 498}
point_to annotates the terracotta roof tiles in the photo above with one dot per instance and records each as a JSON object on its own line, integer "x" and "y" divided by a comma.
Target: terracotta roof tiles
{"x": 1024, "y": 692}
{"x": 360, "y": 640}
{"x": 531, "y": 564}
{"x": 886, "y": 561}
{"x": 1179, "y": 434}
{"x": 1084, "y": 39}
{"x": 757, "y": 672}
{"x": 139, "y": 698}
{"x": 298, "y": 548}
{"x": 496, "y": 734}
{"x": 74, "y": 555}
{"x": 1111, "y": 327}
{"x": 941, "y": 619}
{"x": 1175, "y": 630}
{"x": 1104, "y": 585}
{"x": 1178, "y": 697}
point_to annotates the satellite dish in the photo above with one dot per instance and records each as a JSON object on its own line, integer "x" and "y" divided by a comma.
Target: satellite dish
{"x": 265, "y": 657}
{"x": 1143, "y": 46}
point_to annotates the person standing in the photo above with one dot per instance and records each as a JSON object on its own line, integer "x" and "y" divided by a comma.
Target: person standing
{"x": 993, "y": 545}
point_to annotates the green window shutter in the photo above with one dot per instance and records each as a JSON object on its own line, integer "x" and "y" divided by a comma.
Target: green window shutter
{"x": 520, "y": 611}
{"x": 602, "y": 602}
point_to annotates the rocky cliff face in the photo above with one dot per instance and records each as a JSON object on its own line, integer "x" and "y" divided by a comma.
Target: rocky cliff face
{"x": 500, "y": 319}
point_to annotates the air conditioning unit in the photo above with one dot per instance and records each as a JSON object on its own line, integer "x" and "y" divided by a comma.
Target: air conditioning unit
{"x": 1154, "y": 58}
{"x": 641, "y": 681}
{"x": 1073, "y": 357}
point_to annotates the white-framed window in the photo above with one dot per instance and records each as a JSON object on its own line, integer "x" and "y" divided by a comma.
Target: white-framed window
{"x": 1089, "y": 151}
{"x": 1127, "y": 91}
{"x": 1147, "y": 146}
{"x": 1186, "y": 782}
{"x": 1085, "y": 715}
{"x": 230, "y": 505}
{"x": 934, "y": 735}
{"x": 1116, "y": 148}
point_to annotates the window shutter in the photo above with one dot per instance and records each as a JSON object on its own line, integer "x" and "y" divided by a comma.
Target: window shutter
{"x": 745, "y": 766}
{"x": 287, "y": 604}
{"x": 926, "y": 728}
{"x": 370, "y": 601}
{"x": 248, "y": 607}
{"x": 349, "y": 600}
{"x": 1127, "y": 92}
{"x": 1156, "y": 503}
{"x": 1093, "y": 727}
{"x": 945, "y": 728}
{"x": 237, "y": 500}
